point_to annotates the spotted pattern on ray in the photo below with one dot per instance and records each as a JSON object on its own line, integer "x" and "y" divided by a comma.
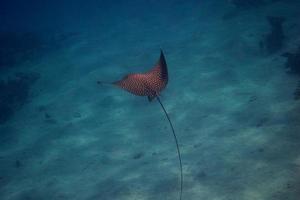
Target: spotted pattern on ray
{"x": 148, "y": 84}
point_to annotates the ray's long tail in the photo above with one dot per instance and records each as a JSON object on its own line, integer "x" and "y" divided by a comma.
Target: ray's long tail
{"x": 177, "y": 146}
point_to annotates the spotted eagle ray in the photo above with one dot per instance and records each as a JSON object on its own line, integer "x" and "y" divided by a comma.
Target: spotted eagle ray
{"x": 150, "y": 84}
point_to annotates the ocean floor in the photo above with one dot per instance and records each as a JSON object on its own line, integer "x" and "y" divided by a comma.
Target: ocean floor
{"x": 231, "y": 102}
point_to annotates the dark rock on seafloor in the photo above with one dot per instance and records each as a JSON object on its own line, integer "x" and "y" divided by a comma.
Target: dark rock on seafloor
{"x": 293, "y": 67}
{"x": 14, "y": 93}
{"x": 274, "y": 40}
{"x": 293, "y": 62}
{"x": 247, "y": 3}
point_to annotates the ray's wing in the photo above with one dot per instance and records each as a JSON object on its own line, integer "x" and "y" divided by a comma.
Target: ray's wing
{"x": 134, "y": 83}
{"x": 157, "y": 77}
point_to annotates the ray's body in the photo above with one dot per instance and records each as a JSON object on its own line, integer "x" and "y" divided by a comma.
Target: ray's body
{"x": 150, "y": 84}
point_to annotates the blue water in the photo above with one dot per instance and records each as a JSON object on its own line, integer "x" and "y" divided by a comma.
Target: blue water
{"x": 232, "y": 96}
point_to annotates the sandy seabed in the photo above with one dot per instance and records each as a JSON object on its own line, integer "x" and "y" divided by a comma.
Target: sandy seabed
{"x": 231, "y": 104}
